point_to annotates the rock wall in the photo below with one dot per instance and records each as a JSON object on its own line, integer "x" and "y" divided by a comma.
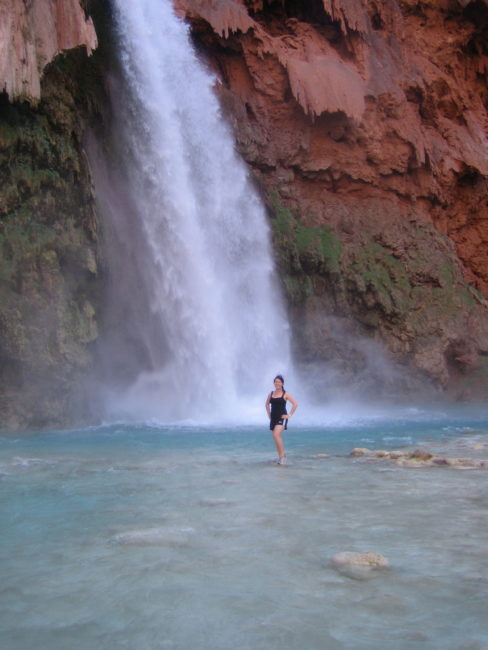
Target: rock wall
{"x": 48, "y": 224}
{"x": 365, "y": 124}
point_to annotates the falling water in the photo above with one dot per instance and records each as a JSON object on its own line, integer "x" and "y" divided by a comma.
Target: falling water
{"x": 195, "y": 320}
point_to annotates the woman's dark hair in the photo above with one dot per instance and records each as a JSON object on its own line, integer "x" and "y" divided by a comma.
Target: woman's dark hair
{"x": 280, "y": 377}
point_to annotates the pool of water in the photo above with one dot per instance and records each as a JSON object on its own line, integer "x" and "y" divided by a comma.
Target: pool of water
{"x": 182, "y": 537}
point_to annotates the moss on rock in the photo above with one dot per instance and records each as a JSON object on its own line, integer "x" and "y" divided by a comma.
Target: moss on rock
{"x": 304, "y": 253}
{"x": 48, "y": 241}
{"x": 403, "y": 283}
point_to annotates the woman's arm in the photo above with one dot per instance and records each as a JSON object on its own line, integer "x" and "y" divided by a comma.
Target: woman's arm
{"x": 266, "y": 406}
{"x": 294, "y": 404}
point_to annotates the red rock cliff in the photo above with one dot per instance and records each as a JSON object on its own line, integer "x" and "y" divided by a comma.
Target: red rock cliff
{"x": 365, "y": 123}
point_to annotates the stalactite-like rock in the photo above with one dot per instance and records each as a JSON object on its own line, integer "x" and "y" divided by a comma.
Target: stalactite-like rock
{"x": 32, "y": 34}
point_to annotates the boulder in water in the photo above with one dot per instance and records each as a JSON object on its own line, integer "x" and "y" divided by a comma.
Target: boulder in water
{"x": 421, "y": 454}
{"x": 360, "y": 451}
{"x": 464, "y": 463}
{"x": 359, "y": 565}
{"x": 396, "y": 454}
{"x": 478, "y": 446}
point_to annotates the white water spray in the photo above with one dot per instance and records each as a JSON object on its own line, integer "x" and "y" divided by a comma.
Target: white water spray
{"x": 194, "y": 240}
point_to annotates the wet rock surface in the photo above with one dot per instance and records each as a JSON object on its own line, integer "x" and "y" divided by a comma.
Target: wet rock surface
{"x": 49, "y": 266}
{"x": 359, "y": 565}
{"x": 477, "y": 459}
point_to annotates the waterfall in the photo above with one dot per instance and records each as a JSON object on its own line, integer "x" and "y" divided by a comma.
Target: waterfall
{"x": 196, "y": 328}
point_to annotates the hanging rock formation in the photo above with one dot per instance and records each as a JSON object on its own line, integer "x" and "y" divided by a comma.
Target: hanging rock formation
{"x": 32, "y": 34}
{"x": 365, "y": 124}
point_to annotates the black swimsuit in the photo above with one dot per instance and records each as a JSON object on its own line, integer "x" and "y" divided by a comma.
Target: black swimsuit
{"x": 278, "y": 410}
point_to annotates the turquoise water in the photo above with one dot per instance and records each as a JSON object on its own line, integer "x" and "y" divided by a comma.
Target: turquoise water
{"x": 183, "y": 537}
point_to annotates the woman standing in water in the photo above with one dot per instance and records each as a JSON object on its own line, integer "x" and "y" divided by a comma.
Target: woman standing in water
{"x": 278, "y": 417}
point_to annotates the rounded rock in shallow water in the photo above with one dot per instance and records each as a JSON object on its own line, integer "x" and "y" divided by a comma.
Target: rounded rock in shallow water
{"x": 365, "y": 558}
{"x": 421, "y": 454}
{"x": 359, "y": 565}
{"x": 395, "y": 454}
{"x": 360, "y": 451}
{"x": 478, "y": 446}
{"x": 463, "y": 463}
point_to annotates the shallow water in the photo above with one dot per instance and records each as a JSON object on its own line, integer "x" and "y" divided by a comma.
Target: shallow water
{"x": 164, "y": 537}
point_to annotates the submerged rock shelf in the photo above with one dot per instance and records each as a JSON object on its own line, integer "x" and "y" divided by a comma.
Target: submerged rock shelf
{"x": 424, "y": 458}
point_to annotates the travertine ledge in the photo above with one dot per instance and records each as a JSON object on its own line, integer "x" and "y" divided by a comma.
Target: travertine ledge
{"x": 32, "y": 34}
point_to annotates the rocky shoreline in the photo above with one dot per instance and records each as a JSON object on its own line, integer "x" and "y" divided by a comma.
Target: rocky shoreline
{"x": 422, "y": 458}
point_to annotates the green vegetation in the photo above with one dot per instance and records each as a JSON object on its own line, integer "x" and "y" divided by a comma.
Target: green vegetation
{"x": 303, "y": 252}
{"x": 413, "y": 291}
{"x": 283, "y": 222}
{"x": 293, "y": 288}
{"x": 48, "y": 290}
{"x": 381, "y": 273}
{"x": 381, "y": 269}
{"x": 446, "y": 274}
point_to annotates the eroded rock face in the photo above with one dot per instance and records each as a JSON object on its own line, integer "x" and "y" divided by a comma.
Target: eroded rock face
{"x": 364, "y": 122}
{"x": 32, "y": 34}
{"x": 49, "y": 264}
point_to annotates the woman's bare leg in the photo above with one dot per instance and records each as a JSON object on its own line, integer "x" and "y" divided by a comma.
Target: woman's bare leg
{"x": 277, "y": 431}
